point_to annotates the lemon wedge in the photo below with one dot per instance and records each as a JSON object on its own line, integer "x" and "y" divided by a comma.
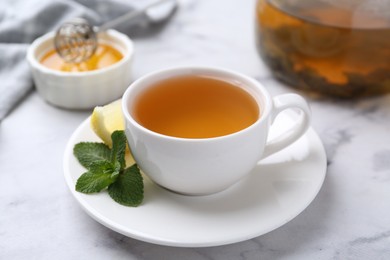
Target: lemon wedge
{"x": 107, "y": 119}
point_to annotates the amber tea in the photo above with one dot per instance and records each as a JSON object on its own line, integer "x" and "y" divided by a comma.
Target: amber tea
{"x": 195, "y": 106}
{"x": 340, "y": 48}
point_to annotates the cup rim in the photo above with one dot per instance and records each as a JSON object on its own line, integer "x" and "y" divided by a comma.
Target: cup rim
{"x": 185, "y": 70}
{"x": 34, "y": 62}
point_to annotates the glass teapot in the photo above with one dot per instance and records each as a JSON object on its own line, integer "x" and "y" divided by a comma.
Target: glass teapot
{"x": 334, "y": 47}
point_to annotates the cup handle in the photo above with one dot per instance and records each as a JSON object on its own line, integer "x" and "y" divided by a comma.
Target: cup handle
{"x": 281, "y": 103}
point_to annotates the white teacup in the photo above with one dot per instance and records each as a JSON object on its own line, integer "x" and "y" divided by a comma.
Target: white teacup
{"x": 209, "y": 165}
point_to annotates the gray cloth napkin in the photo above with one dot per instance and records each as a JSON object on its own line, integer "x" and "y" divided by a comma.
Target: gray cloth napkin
{"x": 22, "y": 21}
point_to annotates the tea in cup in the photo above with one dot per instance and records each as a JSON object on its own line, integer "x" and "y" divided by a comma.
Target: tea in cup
{"x": 199, "y": 130}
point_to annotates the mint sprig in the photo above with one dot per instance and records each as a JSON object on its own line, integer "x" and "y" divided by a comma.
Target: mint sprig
{"x": 107, "y": 170}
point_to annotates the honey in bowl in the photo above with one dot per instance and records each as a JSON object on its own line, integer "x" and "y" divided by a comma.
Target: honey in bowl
{"x": 195, "y": 106}
{"x": 104, "y": 56}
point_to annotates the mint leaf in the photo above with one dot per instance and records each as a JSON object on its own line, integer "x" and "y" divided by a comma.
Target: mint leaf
{"x": 100, "y": 175}
{"x": 128, "y": 189}
{"x": 106, "y": 169}
{"x": 88, "y": 152}
{"x": 118, "y": 150}
{"x": 116, "y": 170}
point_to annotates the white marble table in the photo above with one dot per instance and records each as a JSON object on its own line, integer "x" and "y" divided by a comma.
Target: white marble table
{"x": 349, "y": 219}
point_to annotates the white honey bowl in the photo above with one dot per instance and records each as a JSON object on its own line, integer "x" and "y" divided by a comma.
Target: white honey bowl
{"x": 82, "y": 90}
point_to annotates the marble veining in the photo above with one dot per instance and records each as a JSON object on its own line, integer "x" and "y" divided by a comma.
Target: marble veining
{"x": 349, "y": 218}
{"x": 381, "y": 161}
{"x": 336, "y": 140}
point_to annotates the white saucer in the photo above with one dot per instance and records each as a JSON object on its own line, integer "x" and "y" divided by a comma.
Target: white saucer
{"x": 280, "y": 188}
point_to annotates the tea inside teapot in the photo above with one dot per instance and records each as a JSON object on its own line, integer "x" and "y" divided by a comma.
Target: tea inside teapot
{"x": 340, "y": 48}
